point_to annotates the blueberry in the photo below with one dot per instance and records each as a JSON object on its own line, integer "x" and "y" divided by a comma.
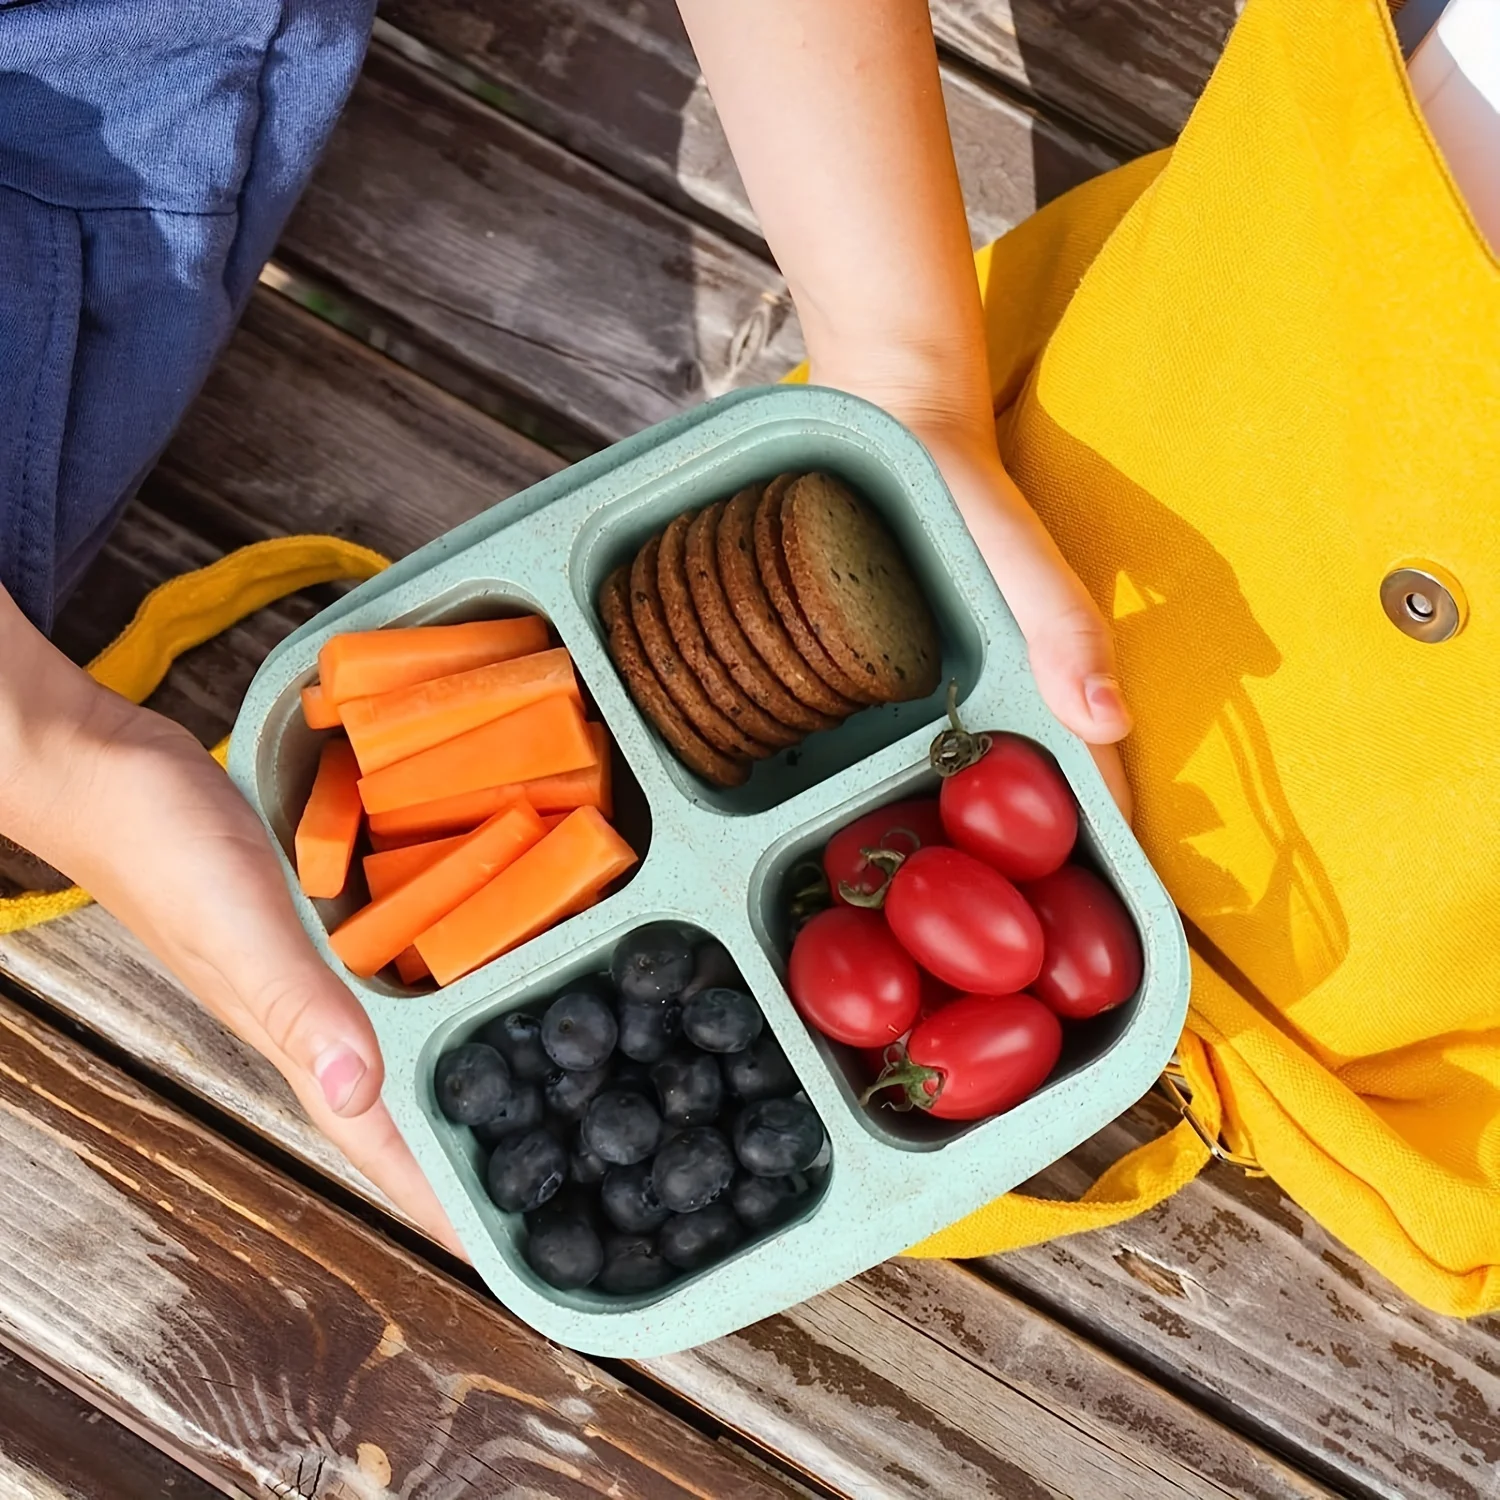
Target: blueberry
{"x": 621, "y": 1127}
{"x": 690, "y": 1087}
{"x": 523, "y": 1111}
{"x": 712, "y": 966}
{"x": 648, "y": 1028}
{"x": 629, "y": 1200}
{"x": 761, "y": 1071}
{"x": 777, "y": 1136}
{"x": 568, "y": 1094}
{"x": 584, "y": 1168}
{"x": 653, "y": 963}
{"x": 763, "y": 1201}
{"x": 517, "y": 1037}
{"x": 691, "y": 1241}
{"x": 722, "y": 1020}
{"x": 579, "y": 1031}
{"x": 473, "y": 1083}
{"x": 632, "y": 1263}
{"x": 563, "y": 1249}
{"x": 627, "y": 1073}
{"x": 693, "y": 1170}
{"x": 526, "y": 1170}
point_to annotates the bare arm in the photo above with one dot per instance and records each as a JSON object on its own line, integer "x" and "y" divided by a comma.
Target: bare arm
{"x": 835, "y": 113}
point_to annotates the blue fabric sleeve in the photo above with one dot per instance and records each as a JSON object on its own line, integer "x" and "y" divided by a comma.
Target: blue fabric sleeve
{"x": 150, "y": 151}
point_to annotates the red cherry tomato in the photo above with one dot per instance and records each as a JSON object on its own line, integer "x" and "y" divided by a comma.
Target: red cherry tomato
{"x": 1091, "y": 959}
{"x": 903, "y": 826}
{"x": 964, "y": 922}
{"x": 935, "y": 995}
{"x": 979, "y": 1055}
{"x": 1012, "y": 809}
{"x": 852, "y": 980}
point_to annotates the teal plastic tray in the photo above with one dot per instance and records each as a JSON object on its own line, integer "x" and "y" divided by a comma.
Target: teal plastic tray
{"x": 719, "y": 860}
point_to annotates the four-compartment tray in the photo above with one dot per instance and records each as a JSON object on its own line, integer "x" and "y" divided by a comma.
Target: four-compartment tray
{"x": 720, "y": 860}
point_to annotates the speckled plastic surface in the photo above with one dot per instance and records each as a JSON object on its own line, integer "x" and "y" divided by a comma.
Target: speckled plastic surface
{"x": 719, "y": 860}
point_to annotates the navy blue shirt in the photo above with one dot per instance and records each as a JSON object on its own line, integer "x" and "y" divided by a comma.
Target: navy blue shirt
{"x": 150, "y": 151}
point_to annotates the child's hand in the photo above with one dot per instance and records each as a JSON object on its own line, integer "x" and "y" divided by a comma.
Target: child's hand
{"x": 131, "y": 807}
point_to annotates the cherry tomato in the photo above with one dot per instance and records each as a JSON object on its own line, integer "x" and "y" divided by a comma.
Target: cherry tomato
{"x": 903, "y": 826}
{"x": 935, "y": 995}
{"x": 978, "y": 1056}
{"x": 1012, "y": 809}
{"x": 964, "y": 922}
{"x": 852, "y": 980}
{"x": 1091, "y": 959}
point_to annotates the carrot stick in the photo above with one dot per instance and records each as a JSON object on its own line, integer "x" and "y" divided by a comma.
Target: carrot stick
{"x": 397, "y": 725}
{"x": 376, "y": 933}
{"x": 386, "y": 872}
{"x": 590, "y": 787}
{"x": 317, "y": 711}
{"x": 330, "y": 822}
{"x": 410, "y": 967}
{"x": 539, "y": 740}
{"x": 367, "y": 662}
{"x": 577, "y": 859}
{"x": 551, "y": 820}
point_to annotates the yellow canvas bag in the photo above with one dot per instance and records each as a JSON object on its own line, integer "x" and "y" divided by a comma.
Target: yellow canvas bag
{"x": 1244, "y": 382}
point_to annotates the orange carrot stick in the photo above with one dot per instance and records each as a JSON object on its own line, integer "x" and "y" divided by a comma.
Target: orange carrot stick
{"x": 539, "y": 740}
{"x": 577, "y": 859}
{"x": 376, "y": 933}
{"x": 317, "y": 711}
{"x": 367, "y": 662}
{"x": 551, "y": 820}
{"x": 590, "y": 787}
{"x": 410, "y": 967}
{"x": 397, "y": 725}
{"x": 388, "y": 871}
{"x": 330, "y": 822}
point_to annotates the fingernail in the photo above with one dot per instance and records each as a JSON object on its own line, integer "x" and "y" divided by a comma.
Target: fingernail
{"x": 1104, "y": 698}
{"x": 338, "y": 1071}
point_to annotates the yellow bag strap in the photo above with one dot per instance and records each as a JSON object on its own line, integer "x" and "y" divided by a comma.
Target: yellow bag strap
{"x": 185, "y": 612}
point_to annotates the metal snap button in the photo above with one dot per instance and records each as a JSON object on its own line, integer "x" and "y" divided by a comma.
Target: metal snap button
{"x": 1424, "y": 601}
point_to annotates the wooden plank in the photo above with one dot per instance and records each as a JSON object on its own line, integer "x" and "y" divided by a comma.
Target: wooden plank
{"x": 242, "y": 1322}
{"x": 55, "y": 1446}
{"x": 620, "y": 86}
{"x": 1129, "y": 68}
{"x": 540, "y": 272}
{"x": 1235, "y": 1296}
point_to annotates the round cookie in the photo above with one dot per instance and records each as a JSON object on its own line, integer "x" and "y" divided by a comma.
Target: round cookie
{"x": 740, "y": 576}
{"x": 724, "y": 633}
{"x": 771, "y": 562}
{"x": 675, "y": 675}
{"x": 857, "y": 591}
{"x": 682, "y": 621}
{"x": 651, "y": 698}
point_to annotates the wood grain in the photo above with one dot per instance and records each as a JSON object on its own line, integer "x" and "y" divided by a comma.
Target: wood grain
{"x": 55, "y": 1446}
{"x": 242, "y": 1322}
{"x": 1239, "y": 1299}
{"x": 620, "y": 86}
{"x": 540, "y": 272}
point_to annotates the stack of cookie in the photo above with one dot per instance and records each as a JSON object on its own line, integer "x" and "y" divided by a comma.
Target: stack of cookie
{"x": 764, "y": 618}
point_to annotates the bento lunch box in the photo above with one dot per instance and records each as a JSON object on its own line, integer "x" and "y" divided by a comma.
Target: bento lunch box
{"x": 722, "y": 861}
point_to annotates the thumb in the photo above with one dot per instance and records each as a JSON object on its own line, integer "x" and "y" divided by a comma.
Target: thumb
{"x": 1070, "y": 645}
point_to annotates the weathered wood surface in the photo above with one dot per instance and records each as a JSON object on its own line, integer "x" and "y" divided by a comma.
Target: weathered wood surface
{"x": 245, "y": 1324}
{"x": 535, "y": 269}
{"x": 55, "y": 1446}
{"x": 1129, "y": 68}
{"x": 620, "y": 86}
{"x": 1237, "y": 1297}
{"x": 805, "y": 1385}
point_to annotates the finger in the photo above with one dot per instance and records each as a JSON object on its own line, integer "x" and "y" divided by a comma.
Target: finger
{"x": 1112, "y": 768}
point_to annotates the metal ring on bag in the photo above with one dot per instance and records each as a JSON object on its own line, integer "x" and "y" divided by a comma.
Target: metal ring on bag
{"x": 1424, "y": 601}
{"x": 1173, "y": 1083}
